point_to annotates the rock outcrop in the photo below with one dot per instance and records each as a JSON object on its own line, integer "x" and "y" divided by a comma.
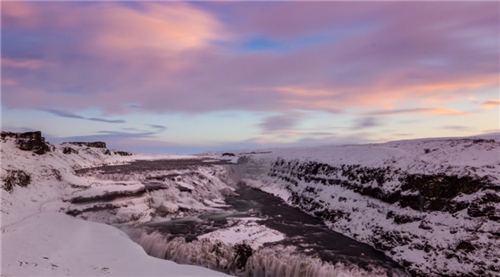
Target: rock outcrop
{"x": 29, "y": 141}
{"x": 15, "y": 178}
{"x": 95, "y": 144}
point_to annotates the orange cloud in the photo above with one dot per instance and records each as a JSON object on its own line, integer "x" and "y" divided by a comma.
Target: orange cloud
{"x": 428, "y": 92}
{"x": 490, "y": 104}
{"x": 444, "y": 111}
{"x": 384, "y": 94}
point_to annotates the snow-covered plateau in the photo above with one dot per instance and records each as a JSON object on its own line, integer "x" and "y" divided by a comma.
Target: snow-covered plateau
{"x": 432, "y": 205}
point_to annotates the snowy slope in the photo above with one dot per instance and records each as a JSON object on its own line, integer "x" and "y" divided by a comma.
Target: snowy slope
{"x": 39, "y": 239}
{"x": 55, "y": 244}
{"x": 433, "y": 205}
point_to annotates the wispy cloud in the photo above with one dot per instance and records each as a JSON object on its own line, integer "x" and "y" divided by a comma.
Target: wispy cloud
{"x": 432, "y": 111}
{"x": 106, "y": 120}
{"x": 115, "y": 134}
{"x": 62, "y": 113}
{"x": 25, "y": 63}
{"x": 366, "y": 122}
{"x": 490, "y": 104}
{"x": 279, "y": 123}
{"x": 159, "y": 128}
{"x": 456, "y": 127}
{"x": 65, "y": 114}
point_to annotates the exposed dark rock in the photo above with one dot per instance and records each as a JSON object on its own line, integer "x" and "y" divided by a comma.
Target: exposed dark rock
{"x": 228, "y": 155}
{"x": 483, "y": 141}
{"x": 69, "y": 150}
{"x": 421, "y": 192}
{"x": 29, "y": 141}
{"x": 95, "y": 144}
{"x": 122, "y": 153}
{"x": 426, "y": 225}
{"x": 386, "y": 240}
{"x": 99, "y": 207}
{"x": 455, "y": 206}
{"x": 414, "y": 201}
{"x": 33, "y": 141}
{"x": 107, "y": 196}
{"x": 466, "y": 246}
{"x": 5, "y": 134}
{"x": 435, "y": 192}
{"x": 403, "y": 219}
{"x": 242, "y": 252}
{"x": 442, "y": 186}
{"x": 485, "y": 206}
{"x": 378, "y": 193}
{"x": 16, "y": 178}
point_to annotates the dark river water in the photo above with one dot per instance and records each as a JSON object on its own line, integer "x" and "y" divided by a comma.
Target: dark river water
{"x": 306, "y": 234}
{"x": 309, "y": 235}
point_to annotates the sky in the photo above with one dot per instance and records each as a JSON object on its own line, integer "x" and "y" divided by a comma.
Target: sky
{"x": 187, "y": 77}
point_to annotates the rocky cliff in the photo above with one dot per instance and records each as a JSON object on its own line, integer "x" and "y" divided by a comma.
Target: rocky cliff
{"x": 432, "y": 205}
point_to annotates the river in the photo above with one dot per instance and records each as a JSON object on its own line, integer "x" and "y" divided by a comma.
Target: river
{"x": 307, "y": 247}
{"x": 305, "y": 235}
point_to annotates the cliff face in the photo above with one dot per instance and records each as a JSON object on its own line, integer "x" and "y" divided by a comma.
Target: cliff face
{"x": 95, "y": 144}
{"x": 34, "y": 171}
{"x": 29, "y": 141}
{"x": 136, "y": 191}
{"x": 437, "y": 212}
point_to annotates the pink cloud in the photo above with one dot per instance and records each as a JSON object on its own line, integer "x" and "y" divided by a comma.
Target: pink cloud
{"x": 490, "y": 104}
{"x": 8, "y": 82}
{"x": 24, "y": 63}
{"x": 163, "y": 56}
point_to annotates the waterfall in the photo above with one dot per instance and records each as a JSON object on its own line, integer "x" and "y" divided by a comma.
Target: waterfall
{"x": 265, "y": 262}
{"x": 283, "y": 262}
{"x": 216, "y": 256}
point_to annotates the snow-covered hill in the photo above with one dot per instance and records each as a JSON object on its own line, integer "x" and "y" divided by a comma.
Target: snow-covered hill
{"x": 433, "y": 205}
{"x": 38, "y": 182}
